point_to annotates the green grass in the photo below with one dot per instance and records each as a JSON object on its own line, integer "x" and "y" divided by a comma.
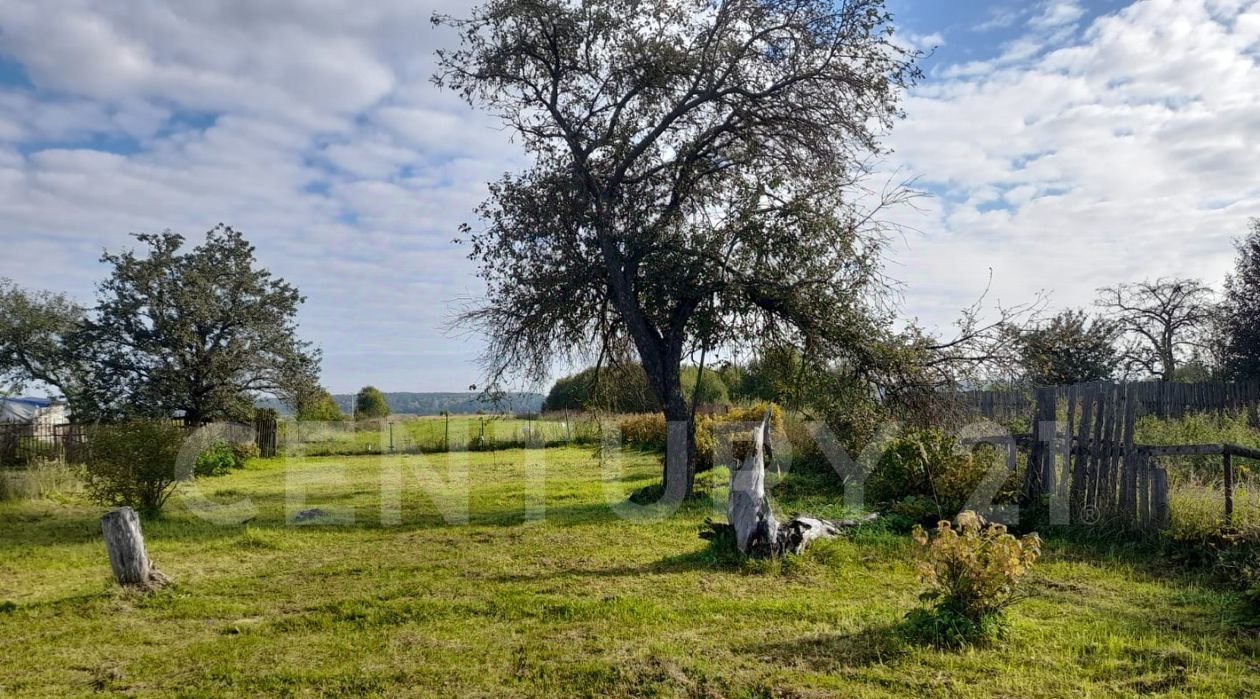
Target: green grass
{"x": 581, "y": 602}
{"x": 428, "y": 434}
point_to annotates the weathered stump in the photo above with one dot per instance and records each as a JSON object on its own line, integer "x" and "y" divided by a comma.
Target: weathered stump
{"x": 124, "y": 542}
{"x": 751, "y": 519}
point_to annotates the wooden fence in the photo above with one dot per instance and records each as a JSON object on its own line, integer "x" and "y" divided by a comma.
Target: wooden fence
{"x": 1083, "y": 453}
{"x": 23, "y": 444}
{"x": 1161, "y": 398}
{"x": 20, "y": 444}
{"x": 996, "y": 404}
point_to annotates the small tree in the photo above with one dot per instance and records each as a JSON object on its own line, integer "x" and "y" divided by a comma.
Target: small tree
{"x": 318, "y": 406}
{"x": 370, "y": 403}
{"x": 1069, "y": 348}
{"x": 1241, "y": 314}
{"x": 133, "y": 463}
{"x": 1163, "y": 322}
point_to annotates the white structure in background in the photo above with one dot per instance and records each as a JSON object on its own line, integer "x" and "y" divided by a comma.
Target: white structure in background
{"x": 40, "y": 414}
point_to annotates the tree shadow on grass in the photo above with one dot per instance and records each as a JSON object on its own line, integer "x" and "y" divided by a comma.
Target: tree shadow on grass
{"x": 830, "y": 653}
{"x": 716, "y": 555}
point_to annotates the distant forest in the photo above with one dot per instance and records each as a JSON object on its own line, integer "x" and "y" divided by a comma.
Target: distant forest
{"x": 433, "y": 403}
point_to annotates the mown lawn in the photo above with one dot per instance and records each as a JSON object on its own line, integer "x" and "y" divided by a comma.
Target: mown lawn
{"x": 581, "y": 602}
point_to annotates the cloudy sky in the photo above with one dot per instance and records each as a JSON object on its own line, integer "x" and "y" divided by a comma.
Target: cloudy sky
{"x": 1063, "y": 145}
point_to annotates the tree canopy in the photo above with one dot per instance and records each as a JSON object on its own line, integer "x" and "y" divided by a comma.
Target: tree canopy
{"x": 199, "y": 333}
{"x": 318, "y": 406}
{"x": 370, "y": 403}
{"x": 1163, "y": 322}
{"x": 1068, "y": 348}
{"x": 1241, "y": 316}
{"x": 36, "y": 328}
{"x": 695, "y": 180}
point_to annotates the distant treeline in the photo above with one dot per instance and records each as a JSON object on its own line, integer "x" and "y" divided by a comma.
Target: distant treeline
{"x": 434, "y": 403}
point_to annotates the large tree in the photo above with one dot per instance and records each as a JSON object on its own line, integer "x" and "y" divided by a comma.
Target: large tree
{"x": 199, "y": 333}
{"x": 1241, "y": 316}
{"x": 1164, "y": 322}
{"x": 37, "y": 330}
{"x": 696, "y": 181}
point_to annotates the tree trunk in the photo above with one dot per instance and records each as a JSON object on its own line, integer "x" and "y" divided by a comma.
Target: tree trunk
{"x": 124, "y": 542}
{"x": 680, "y": 450}
{"x": 751, "y": 519}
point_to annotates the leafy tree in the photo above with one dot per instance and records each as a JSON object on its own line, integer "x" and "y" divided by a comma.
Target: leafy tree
{"x": 711, "y": 390}
{"x": 694, "y": 181}
{"x": 1241, "y": 316}
{"x": 624, "y": 388}
{"x": 1163, "y": 322}
{"x": 370, "y": 403}
{"x": 775, "y": 374}
{"x": 199, "y": 332}
{"x": 318, "y": 406}
{"x": 36, "y": 331}
{"x": 1069, "y": 348}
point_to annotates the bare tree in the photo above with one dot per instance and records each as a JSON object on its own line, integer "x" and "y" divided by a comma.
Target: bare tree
{"x": 696, "y": 180}
{"x": 1163, "y": 322}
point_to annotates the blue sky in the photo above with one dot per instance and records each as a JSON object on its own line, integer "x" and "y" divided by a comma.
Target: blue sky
{"x": 1063, "y": 145}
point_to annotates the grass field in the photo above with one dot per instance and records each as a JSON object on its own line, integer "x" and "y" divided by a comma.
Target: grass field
{"x": 581, "y": 602}
{"x": 434, "y": 433}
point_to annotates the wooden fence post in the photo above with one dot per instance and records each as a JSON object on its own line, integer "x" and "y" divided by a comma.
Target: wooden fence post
{"x": 1227, "y": 459}
{"x": 265, "y": 421}
{"x": 1159, "y": 497}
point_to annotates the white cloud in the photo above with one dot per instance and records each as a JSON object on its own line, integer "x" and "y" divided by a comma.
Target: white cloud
{"x": 1082, "y": 154}
{"x": 310, "y": 125}
{"x": 1056, "y": 14}
{"x": 1129, "y": 152}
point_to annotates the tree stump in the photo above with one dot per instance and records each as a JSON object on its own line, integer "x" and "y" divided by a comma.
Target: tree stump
{"x": 124, "y": 542}
{"x": 751, "y": 519}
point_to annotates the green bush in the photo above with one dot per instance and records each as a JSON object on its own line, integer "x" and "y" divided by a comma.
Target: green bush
{"x": 221, "y": 457}
{"x": 644, "y": 431}
{"x": 973, "y": 573}
{"x": 133, "y": 464}
{"x": 648, "y": 431}
{"x": 929, "y": 466}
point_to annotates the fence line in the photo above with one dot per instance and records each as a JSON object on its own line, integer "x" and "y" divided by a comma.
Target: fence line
{"x": 1083, "y": 450}
{"x": 1159, "y": 398}
{"x": 25, "y": 443}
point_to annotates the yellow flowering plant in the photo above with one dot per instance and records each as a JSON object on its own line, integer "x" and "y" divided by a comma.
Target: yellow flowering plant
{"x": 973, "y": 572}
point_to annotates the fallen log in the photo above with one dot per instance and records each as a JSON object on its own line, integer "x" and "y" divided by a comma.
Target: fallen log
{"x": 751, "y": 520}
{"x": 124, "y": 542}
